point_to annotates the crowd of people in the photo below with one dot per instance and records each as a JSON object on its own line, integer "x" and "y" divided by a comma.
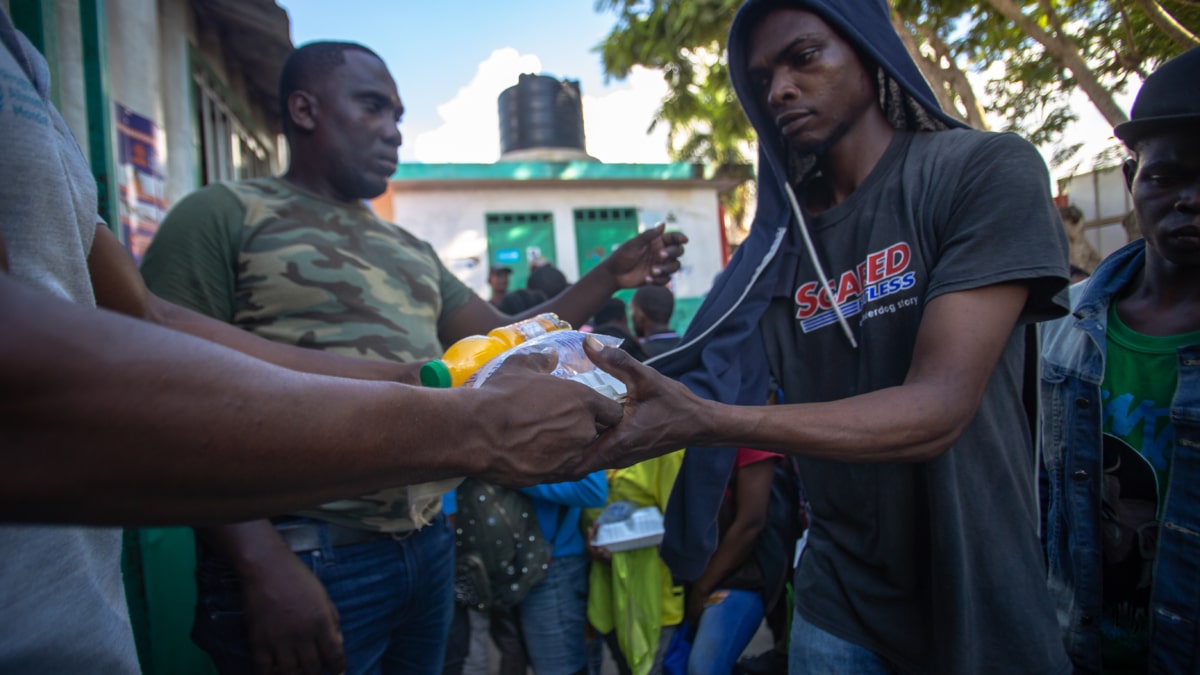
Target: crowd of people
{"x": 254, "y": 380}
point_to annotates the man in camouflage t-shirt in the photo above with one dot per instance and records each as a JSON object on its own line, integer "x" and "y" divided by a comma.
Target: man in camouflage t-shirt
{"x": 362, "y": 584}
{"x": 295, "y": 267}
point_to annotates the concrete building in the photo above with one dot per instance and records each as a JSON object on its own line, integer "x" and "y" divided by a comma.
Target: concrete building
{"x": 570, "y": 213}
{"x": 546, "y": 199}
{"x": 1103, "y": 202}
{"x": 164, "y": 95}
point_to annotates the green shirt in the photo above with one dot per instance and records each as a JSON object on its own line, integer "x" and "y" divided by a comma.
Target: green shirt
{"x": 1140, "y": 376}
{"x": 294, "y": 267}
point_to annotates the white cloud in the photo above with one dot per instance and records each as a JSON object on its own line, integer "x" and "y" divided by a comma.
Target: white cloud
{"x": 470, "y": 130}
{"x": 615, "y": 121}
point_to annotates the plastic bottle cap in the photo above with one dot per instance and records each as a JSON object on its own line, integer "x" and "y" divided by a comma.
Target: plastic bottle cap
{"x": 435, "y": 374}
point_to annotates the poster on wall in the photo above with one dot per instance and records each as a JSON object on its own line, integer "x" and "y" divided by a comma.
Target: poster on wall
{"x": 141, "y": 182}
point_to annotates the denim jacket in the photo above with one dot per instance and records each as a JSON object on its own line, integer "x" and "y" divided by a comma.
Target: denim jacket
{"x": 1073, "y": 352}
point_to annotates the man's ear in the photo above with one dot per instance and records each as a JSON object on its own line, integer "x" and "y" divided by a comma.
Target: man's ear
{"x": 1129, "y": 168}
{"x": 302, "y": 108}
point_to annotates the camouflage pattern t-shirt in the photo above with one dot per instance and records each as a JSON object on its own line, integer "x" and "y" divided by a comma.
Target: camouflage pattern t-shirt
{"x": 297, "y": 268}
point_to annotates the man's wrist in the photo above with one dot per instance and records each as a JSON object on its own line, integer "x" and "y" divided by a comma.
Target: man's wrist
{"x": 473, "y": 453}
{"x": 607, "y": 278}
{"x": 255, "y": 557}
{"x": 711, "y": 423}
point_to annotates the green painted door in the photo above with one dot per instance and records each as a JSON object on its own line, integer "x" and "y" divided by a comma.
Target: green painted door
{"x": 159, "y": 568}
{"x": 599, "y": 231}
{"x": 515, "y": 239}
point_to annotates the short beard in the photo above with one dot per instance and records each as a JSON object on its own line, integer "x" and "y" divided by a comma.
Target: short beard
{"x": 803, "y": 158}
{"x": 361, "y": 188}
{"x": 820, "y": 148}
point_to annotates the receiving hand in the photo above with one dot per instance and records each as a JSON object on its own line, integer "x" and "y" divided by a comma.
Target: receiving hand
{"x": 534, "y": 427}
{"x": 649, "y": 258}
{"x": 596, "y": 552}
{"x": 292, "y": 624}
{"x": 660, "y": 414}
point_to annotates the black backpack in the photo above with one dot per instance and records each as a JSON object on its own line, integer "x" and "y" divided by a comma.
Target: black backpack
{"x": 501, "y": 552}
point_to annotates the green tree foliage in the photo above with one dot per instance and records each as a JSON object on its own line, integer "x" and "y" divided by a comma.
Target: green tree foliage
{"x": 686, "y": 40}
{"x": 1050, "y": 48}
{"x": 1042, "y": 50}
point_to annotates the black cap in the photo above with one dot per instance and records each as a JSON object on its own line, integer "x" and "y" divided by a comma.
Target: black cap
{"x": 499, "y": 269}
{"x": 1170, "y": 96}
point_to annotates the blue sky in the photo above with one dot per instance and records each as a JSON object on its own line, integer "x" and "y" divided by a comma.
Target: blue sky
{"x": 437, "y": 49}
{"x": 452, "y": 58}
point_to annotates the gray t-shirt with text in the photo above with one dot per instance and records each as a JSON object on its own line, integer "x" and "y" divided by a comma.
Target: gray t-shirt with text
{"x": 934, "y": 565}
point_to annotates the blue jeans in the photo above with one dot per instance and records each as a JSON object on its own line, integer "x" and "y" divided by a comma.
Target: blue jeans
{"x": 812, "y": 650}
{"x": 553, "y": 616}
{"x": 727, "y": 625}
{"x": 394, "y": 599}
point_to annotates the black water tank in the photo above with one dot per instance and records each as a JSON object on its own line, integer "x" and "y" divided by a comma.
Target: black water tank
{"x": 541, "y": 112}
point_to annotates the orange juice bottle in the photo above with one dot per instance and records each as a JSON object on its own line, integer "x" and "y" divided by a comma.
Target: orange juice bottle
{"x": 515, "y": 333}
{"x": 472, "y": 352}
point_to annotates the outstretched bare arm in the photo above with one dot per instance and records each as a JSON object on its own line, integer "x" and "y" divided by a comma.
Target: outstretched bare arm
{"x": 108, "y": 419}
{"x": 119, "y": 286}
{"x": 961, "y": 338}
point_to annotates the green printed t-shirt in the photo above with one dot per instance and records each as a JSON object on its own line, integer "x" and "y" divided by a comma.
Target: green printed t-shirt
{"x": 1140, "y": 376}
{"x": 294, "y": 267}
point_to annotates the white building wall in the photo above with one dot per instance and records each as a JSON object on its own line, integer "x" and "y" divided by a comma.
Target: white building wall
{"x": 453, "y": 221}
{"x": 175, "y": 89}
{"x": 1101, "y": 195}
{"x": 134, "y": 64}
{"x": 150, "y": 72}
{"x": 69, "y": 81}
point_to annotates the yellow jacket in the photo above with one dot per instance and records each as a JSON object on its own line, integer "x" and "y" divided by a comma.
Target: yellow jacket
{"x": 634, "y": 595}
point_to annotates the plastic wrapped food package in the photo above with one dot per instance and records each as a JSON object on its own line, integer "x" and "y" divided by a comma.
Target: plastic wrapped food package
{"x": 470, "y": 353}
{"x": 573, "y": 363}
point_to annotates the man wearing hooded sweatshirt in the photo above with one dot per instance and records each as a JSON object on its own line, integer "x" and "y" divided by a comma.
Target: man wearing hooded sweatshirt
{"x": 891, "y": 270}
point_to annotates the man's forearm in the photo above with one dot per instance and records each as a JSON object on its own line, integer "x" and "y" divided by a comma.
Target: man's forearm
{"x": 961, "y": 339}
{"x": 907, "y": 423}
{"x": 105, "y": 419}
{"x": 736, "y": 543}
{"x": 582, "y": 299}
{"x": 912, "y": 422}
{"x": 118, "y": 287}
{"x": 296, "y": 358}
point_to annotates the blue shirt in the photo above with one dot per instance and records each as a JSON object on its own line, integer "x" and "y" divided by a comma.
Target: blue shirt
{"x": 561, "y": 528}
